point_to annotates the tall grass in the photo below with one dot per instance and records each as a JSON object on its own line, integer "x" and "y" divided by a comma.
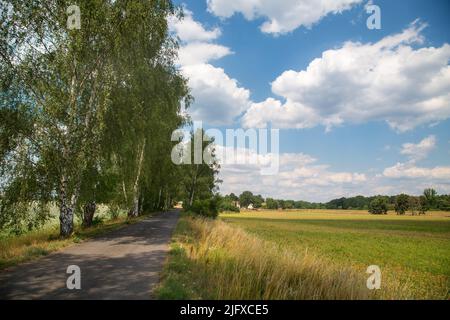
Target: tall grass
{"x": 225, "y": 262}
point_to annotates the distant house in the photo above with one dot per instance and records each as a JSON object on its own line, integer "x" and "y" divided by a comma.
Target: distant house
{"x": 250, "y": 206}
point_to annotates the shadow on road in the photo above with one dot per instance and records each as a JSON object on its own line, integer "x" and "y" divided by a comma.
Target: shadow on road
{"x": 124, "y": 264}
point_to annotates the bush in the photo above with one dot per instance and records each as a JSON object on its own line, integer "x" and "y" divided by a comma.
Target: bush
{"x": 206, "y": 208}
{"x": 225, "y": 205}
{"x": 114, "y": 212}
{"x": 97, "y": 221}
{"x": 401, "y": 204}
{"x": 378, "y": 205}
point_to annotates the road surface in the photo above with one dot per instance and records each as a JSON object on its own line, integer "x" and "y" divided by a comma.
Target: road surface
{"x": 124, "y": 264}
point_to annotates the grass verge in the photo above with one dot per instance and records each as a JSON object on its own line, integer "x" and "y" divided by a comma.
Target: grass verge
{"x": 213, "y": 260}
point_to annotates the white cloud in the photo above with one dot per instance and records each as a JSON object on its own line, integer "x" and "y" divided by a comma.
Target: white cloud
{"x": 282, "y": 16}
{"x": 385, "y": 81}
{"x": 300, "y": 177}
{"x": 219, "y": 99}
{"x": 303, "y": 177}
{"x": 200, "y": 52}
{"x": 411, "y": 171}
{"x": 420, "y": 150}
{"x": 189, "y": 30}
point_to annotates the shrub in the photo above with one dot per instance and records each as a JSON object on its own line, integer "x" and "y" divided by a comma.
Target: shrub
{"x": 206, "y": 208}
{"x": 401, "y": 204}
{"x": 378, "y": 205}
{"x": 226, "y": 205}
{"x": 114, "y": 212}
{"x": 97, "y": 221}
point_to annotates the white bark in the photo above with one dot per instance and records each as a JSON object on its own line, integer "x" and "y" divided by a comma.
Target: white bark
{"x": 135, "y": 209}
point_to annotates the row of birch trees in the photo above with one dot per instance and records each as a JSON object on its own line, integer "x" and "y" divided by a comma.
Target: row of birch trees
{"x": 87, "y": 113}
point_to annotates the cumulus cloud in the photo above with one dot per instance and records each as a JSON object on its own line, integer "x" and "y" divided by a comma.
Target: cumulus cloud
{"x": 189, "y": 30}
{"x": 389, "y": 80}
{"x": 219, "y": 99}
{"x": 281, "y": 16}
{"x": 411, "y": 171}
{"x": 301, "y": 176}
{"x": 410, "y": 177}
{"x": 200, "y": 53}
{"x": 420, "y": 150}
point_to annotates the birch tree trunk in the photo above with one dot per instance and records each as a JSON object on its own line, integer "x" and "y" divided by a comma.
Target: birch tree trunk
{"x": 65, "y": 211}
{"x": 134, "y": 212}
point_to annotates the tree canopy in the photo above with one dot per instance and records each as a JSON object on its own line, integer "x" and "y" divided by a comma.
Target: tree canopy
{"x": 87, "y": 114}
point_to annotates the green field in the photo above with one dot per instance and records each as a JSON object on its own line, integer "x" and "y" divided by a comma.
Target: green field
{"x": 414, "y": 251}
{"x": 320, "y": 254}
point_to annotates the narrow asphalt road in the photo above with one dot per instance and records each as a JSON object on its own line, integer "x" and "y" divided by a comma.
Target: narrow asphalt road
{"x": 124, "y": 264}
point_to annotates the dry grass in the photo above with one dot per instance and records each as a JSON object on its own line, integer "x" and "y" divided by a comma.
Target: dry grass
{"x": 412, "y": 251}
{"x": 214, "y": 260}
{"x": 222, "y": 260}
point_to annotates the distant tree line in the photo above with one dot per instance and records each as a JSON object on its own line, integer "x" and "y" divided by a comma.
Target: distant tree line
{"x": 402, "y": 203}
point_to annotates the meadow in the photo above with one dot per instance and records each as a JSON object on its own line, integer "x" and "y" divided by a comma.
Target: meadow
{"x": 309, "y": 254}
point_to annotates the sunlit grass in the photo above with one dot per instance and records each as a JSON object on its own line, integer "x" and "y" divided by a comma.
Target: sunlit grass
{"x": 213, "y": 260}
{"x": 307, "y": 255}
{"x": 412, "y": 250}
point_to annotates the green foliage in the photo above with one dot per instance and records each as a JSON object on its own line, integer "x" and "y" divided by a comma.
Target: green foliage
{"x": 378, "y": 205}
{"x": 207, "y": 208}
{"x": 86, "y": 115}
{"x": 443, "y": 203}
{"x": 97, "y": 221}
{"x": 228, "y": 204}
{"x": 430, "y": 197}
{"x": 197, "y": 181}
{"x": 113, "y": 212}
{"x": 429, "y": 201}
{"x": 401, "y": 204}
{"x": 19, "y": 217}
{"x": 271, "y": 204}
{"x": 423, "y": 205}
{"x": 246, "y": 198}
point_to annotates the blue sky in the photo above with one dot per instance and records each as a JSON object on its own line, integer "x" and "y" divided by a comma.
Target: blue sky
{"x": 351, "y": 150}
